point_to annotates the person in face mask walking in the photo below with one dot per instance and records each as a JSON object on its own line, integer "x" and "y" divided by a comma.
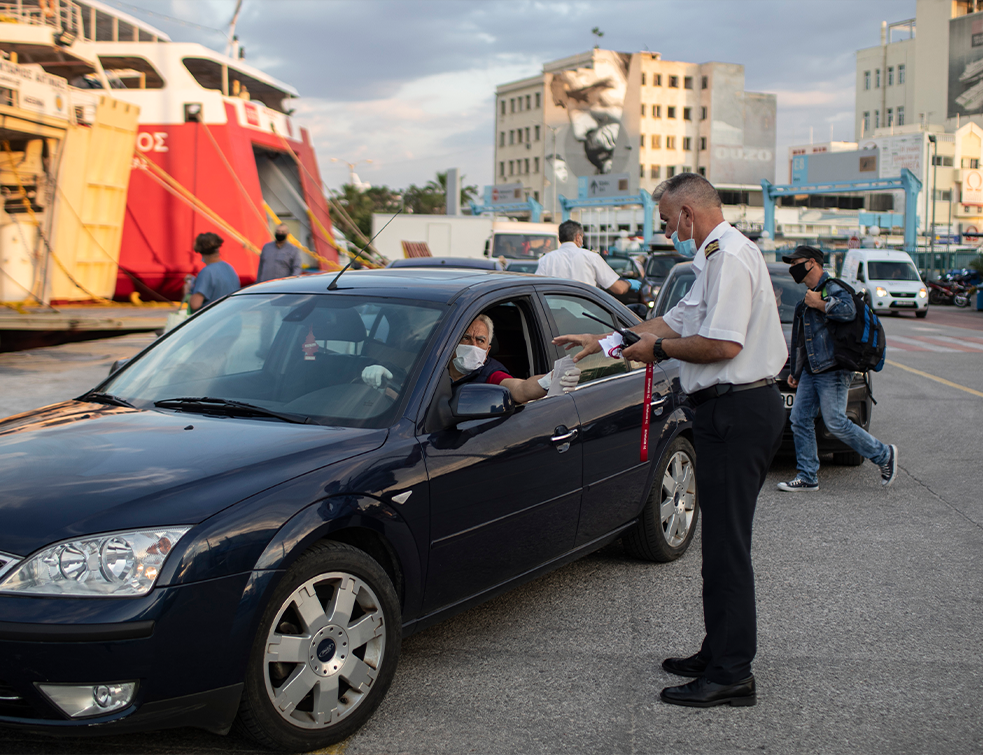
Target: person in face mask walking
{"x": 727, "y": 336}
{"x": 570, "y": 260}
{"x": 471, "y": 364}
{"x": 821, "y": 384}
{"x": 279, "y": 258}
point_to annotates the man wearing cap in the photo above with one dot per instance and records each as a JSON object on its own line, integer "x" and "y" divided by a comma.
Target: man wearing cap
{"x": 570, "y": 260}
{"x": 218, "y": 278}
{"x": 822, "y": 385}
{"x": 728, "y": 338}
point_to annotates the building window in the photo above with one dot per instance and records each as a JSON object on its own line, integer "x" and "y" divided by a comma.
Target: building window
{"x": 537, "y": 133}
{"x": 528, "y": 101}
{"x": 512, "y": 136}
{"x": 656, "y": 141}
{"x": 511, "y": 167}
{"x": 643, "y": 110}
{"x": 657, "y": 111}
{"x": 943, "y": 195}
{"x": 503, "y": 107}
{"x": 670, "y": 142}
{"x": 527, "y": 135}
{"x": 703, "y": 171}
{"x": 686, "y": 169}
{"x": 501, "y": 139}
{"x": 656, "y": 79}
{"x": 643, "y": 79}
{"x": 901, "y": 73}
{"x": 687, "y": 82}
{"x": 877, "y": 119}
{"x": 877, "y": 78}
{"x": 527, "y": 166}
{"x": 687, "y": 143}
{"x": 970, "y": 162}
{"x": 943, "y": 160}
{"x": 866, "y": 127}
{"x": 643, "y": 141}
{"x": 670, "y": 112}
{"x": 674, "y": 82}
{"x": 890, "y": 116}
{"x": 703, "y": 113}
{"x": 538, "y": 101}
{"x": 704, "y": 82}
{"x": 535, "y": 165}
{"x": 535, "y": 195}
{"x": 670, "y": 171}
{"x": 641, "y": 171}
{"x": 512, "y": 104}
{"x": 900, "y": 107}
{"x": 501, "y": 168}
{"x": 655, "y": 171}
{"x": 687, "y": 113}
{"x": 866, "y": 79}
{"x": 703, "y": 144}
{"x": 890, "y": 76}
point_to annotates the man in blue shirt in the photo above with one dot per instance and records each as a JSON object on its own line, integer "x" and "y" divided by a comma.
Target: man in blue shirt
{"x": 218, "y": 278}
{"x": 279, "y": 258}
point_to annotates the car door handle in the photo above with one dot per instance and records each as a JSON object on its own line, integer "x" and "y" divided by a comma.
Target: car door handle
{"x": 563, "y": 435}
{"x": 658, "y": 403}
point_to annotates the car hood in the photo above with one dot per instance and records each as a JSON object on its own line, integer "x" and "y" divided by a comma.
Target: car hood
{"x": 898, "y": 286}
{"x": 80, "y": 468}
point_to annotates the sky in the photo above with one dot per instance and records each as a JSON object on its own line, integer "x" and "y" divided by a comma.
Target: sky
{"x": 410, "y": 84}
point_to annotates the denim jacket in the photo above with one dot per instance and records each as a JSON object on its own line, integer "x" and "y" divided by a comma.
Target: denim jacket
{"x": 818, "y": 340}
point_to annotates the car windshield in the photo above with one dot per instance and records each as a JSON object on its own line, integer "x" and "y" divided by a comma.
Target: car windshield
{"x": 788, "y": 293}
{"x": 659, "y": 267}
{"x": 885, "y": 271}
{"x": 620, "y": 265}
{"x": 523, "y": 245}
{"x": 300, "y": 355}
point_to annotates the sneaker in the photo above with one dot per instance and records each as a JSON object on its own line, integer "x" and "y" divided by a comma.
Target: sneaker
{"x": 889, "y": 469}
{"x": 798, "y": 485}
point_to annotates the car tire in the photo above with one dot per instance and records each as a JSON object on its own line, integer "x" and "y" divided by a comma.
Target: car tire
{"x": 315, "y": 675}
{"x": 848, "y": 458}
{"x": 922, "y": 314}
{"x": 668, "y": 521}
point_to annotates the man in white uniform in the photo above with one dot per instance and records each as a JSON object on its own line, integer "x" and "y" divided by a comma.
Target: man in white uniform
{"x": 571, "y": 261}
{"x": 728, "y": 337}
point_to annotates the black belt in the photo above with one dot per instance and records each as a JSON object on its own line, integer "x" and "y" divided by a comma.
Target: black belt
{"x": 721, "y": 389}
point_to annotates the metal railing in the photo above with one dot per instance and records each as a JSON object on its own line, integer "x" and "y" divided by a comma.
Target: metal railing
{"x": 56, "y": 14}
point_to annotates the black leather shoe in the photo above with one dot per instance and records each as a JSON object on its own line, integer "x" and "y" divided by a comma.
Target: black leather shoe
{"x": 692, "y": 666}
{"x": 702, "y": 693}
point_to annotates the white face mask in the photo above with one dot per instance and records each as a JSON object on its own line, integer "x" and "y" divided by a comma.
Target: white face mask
{"x": 469, "y": 358}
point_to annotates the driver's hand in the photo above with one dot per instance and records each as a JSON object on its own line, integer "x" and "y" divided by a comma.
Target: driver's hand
{"x": 570, "y": 379}
{"x": 589, "y": 342}
{"x": 375, "y": 375}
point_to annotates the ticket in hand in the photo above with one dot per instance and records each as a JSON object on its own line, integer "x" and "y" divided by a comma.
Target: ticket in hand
{"x": 612, "y": 345}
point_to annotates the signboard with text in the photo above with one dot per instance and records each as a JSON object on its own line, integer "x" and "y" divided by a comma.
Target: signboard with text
{"x": 507, "y": 194}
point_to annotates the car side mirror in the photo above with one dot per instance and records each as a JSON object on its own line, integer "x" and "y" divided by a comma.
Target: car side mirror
{"x": 481, "y": 401}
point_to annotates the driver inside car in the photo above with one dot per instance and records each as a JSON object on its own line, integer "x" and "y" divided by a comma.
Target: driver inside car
{"x": 471, "y": 364}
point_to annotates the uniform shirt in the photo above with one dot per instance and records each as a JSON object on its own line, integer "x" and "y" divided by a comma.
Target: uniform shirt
{"x": 732, "y": 299}
{"x": 571, "y": 262}
{"x": 278, "y": 262}
{"x": 215, "y": 281}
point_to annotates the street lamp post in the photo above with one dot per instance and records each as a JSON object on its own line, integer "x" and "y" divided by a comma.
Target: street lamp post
{"x": 935, "y": 172}
{"x": 553, "y": 210}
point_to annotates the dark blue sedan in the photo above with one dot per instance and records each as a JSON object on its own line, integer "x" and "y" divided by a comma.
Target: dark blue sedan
{"x": 238, "y": 527}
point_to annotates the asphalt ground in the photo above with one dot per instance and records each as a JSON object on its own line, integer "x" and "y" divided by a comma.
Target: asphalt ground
{"x": 870, "y": 614}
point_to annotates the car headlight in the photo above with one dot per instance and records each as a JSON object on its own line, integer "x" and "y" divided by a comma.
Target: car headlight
{"x": 922, "y": 293}
{"x": 117, "y": 564}
{"x": 880, "y": 291}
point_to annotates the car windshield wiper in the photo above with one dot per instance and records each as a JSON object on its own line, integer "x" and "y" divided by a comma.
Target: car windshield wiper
{"x": 208, "y": 404}
{"x": 105, "y": 398}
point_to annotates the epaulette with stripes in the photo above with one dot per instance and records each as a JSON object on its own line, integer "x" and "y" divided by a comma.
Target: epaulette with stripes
{"x": 711, "y": 248}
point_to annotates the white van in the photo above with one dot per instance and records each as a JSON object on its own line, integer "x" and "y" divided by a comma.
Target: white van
{"x": 891, "y": 278}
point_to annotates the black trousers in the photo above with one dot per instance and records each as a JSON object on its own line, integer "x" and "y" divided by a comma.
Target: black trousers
{"x": 737, "y": 436}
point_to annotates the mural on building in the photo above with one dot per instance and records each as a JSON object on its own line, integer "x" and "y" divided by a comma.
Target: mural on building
{"x": 584, "y": 109}
{"x": 965, "y": 65}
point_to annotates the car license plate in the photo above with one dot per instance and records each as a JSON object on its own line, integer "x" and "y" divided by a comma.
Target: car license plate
{"x": 903, "y": 304}
{"x": 789, "y": 399}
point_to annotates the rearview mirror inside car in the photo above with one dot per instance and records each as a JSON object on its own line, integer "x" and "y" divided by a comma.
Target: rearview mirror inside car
{"x": 481, "y": 401}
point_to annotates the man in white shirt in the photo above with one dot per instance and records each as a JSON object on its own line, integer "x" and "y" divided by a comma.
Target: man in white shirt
{"x": 571, "y": 261}
{"x": 728, "y": 337}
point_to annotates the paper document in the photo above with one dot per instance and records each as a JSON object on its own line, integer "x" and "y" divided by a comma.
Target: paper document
{"x": 559, "y": 367}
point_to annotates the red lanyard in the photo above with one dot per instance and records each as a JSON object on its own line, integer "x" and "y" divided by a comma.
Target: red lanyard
{"x": 647, "y": 411}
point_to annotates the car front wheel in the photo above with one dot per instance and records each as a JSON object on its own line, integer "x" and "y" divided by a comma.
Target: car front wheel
{"x": 668, "y": 521}
{"x": 325, "y": 653}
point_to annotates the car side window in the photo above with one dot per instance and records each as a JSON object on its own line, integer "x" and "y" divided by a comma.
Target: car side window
{"x": 570, "y": 315}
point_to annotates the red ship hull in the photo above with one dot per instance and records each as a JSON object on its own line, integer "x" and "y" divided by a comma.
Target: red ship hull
{"x": 219, "y": 168}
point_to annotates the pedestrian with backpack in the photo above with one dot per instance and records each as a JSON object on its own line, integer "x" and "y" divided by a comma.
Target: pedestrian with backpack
{"x": 826, "y": 322}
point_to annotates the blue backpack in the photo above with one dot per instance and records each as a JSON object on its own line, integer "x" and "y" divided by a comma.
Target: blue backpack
{"x": 861, "y": 343}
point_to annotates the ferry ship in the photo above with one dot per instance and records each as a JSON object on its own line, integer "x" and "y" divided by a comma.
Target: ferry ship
{"x": 216, "y": 146}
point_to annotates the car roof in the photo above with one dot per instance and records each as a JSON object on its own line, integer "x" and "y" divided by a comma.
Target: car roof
{"x": 438, "y": 284}
{"x": 466, "y": 262}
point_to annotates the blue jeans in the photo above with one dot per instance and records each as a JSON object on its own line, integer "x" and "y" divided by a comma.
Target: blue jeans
{"x": 827, "y": 392}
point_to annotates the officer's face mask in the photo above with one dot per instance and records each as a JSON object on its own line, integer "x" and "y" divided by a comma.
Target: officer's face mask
{"x": 687, "y": 247}
{"x": 798, "y": 271}
{"x": 280, "y": 237}
{"x": 469, "y": 358}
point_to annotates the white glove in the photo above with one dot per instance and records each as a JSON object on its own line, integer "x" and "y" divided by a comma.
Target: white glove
{"x": 375, "y": 375}
{"x": 570, "y": 379}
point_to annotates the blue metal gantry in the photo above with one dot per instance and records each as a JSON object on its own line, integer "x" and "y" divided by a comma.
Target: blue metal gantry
{"x": 643, "y": 198}
{"x": 907, "y": 181}
{"x": 534, "y": 208}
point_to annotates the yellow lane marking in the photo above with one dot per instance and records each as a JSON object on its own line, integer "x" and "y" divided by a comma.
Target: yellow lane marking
{"x": 936, "y": 379}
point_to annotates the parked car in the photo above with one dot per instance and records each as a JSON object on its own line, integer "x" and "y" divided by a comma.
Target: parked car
{"x": 235, "y": 528}
{"x": 890, "y": 278}
{"x": 657, "y": 266}
{"x": 467, "y": 263}
{"x": 628, "y": 268}
{"x": 788, "y": 293}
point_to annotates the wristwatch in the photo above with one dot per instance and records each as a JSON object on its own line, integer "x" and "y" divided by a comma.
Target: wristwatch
{"x": 658, "y": 352}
